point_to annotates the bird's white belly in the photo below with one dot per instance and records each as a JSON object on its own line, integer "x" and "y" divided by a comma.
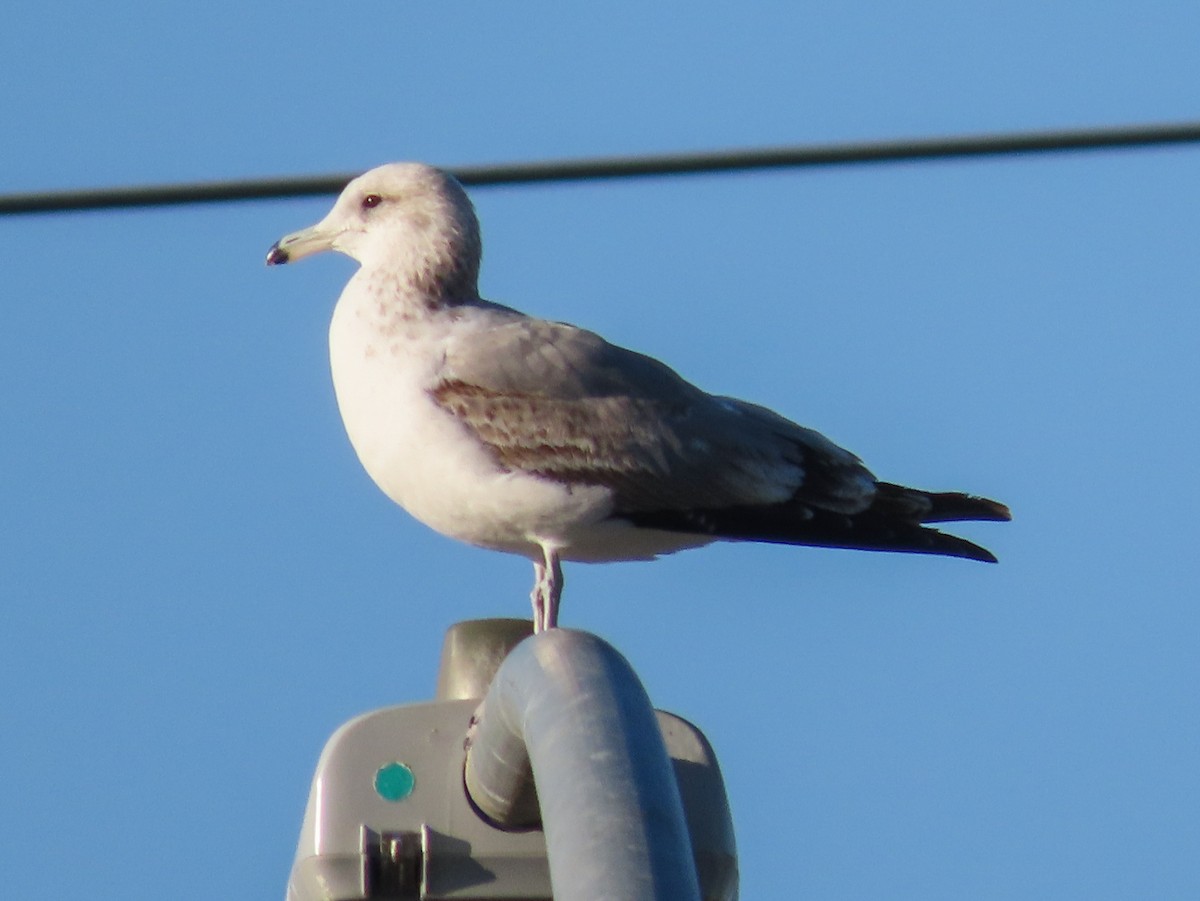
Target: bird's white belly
{"x": 430, "y": 464}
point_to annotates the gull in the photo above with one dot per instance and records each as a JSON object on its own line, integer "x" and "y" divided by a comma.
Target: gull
{"x": 542, "y": 439}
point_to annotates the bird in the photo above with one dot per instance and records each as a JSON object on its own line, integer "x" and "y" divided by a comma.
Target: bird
{"x": 542, "y": 439}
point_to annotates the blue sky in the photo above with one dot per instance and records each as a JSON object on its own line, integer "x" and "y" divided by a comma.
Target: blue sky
{"x": 199, "y": 583}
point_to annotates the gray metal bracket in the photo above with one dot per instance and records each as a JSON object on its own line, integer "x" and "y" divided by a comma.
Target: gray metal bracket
{"x": 389, "y": 816}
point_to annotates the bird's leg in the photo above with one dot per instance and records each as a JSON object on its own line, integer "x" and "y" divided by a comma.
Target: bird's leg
{"x": 537, "y": 596}
{"x": 554, "y": 586}
{"x": 547, "y": 589}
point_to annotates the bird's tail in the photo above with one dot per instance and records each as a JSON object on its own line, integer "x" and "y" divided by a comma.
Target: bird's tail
{"x": 945, "y": 506}
{"x": 894, "y": 522}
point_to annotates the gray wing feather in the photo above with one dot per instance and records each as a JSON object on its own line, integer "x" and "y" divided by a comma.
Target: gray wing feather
{"x": 561, "y": 402}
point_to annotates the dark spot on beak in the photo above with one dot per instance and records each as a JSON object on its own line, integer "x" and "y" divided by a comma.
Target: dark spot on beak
{"x": 276, "y": 256}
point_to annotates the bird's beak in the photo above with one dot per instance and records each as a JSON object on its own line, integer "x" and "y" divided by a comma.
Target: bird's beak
{"x": 300, "y": 244}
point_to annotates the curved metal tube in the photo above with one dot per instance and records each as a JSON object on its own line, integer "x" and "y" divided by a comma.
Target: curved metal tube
{"x": 567, "y": 712}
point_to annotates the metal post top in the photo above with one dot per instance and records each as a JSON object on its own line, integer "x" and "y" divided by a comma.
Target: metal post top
{"x": 389, "y": 815}
{"x": 472, "y": 652}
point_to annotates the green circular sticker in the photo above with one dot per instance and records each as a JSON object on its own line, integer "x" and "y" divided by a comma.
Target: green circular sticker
{"x": 394, "y": 781}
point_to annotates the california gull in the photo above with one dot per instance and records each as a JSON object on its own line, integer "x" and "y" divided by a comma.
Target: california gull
{"x": 542, "y": 439}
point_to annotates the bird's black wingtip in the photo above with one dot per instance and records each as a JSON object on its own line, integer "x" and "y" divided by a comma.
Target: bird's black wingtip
{"x": 987, "y": 557}
{"x": 952, "y": 546}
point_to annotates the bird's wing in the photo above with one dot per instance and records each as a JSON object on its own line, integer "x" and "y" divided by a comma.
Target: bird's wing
{"x": 561, "y": 402}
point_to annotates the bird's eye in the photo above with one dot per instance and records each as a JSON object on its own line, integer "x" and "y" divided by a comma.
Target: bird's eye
{"x": 371, "y": 200}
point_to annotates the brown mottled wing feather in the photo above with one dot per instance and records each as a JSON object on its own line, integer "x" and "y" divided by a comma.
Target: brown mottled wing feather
{"x": 561, "y": 402}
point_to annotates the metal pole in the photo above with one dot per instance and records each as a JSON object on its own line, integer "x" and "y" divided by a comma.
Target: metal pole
{"x": 568, "y": 711}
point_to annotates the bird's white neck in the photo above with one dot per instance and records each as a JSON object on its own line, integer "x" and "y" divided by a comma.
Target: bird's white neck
{"x": 430, "y": 267}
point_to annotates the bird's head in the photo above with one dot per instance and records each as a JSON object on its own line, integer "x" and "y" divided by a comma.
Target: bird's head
{"x": 410, "y": 218}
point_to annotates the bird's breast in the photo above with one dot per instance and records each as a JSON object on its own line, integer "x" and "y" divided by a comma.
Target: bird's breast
{"x": 426, "y": 460}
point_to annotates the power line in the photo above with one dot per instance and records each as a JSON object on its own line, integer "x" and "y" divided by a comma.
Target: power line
{"x": 1003, "y": 144}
